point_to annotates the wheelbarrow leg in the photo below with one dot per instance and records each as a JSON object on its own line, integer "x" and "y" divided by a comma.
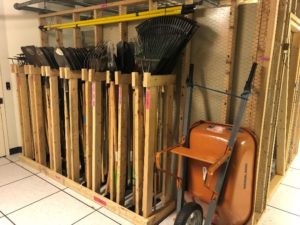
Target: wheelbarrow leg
{"x": 186, "y": 125}
{"x": 182, "y": 186}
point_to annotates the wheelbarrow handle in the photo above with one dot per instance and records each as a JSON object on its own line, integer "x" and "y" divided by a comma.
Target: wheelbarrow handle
{"x": 250, "y": 78}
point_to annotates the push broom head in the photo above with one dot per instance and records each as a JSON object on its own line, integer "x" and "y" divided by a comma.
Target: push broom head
{"x": 161, "y": 40}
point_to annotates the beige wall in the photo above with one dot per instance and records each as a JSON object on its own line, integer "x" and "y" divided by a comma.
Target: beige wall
{"x": 17, "y": 28}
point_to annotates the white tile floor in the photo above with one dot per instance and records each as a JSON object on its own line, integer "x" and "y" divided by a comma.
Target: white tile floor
{"x": 283, "y": 208}
{"x": 28, "y": 198}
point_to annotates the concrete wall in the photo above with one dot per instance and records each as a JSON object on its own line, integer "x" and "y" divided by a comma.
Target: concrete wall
{"x": 17, "y": 28}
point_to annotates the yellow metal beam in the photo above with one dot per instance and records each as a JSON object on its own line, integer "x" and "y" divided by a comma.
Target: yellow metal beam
{"x": 117, "y": 19}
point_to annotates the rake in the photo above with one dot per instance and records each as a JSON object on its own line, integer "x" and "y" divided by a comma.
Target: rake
{"x": 161, "y": 40}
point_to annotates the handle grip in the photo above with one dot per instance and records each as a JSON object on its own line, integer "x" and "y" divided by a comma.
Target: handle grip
{"x": 251, "y": 77}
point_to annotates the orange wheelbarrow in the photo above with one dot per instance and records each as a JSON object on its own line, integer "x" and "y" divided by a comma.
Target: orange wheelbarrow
{"x": 216, "y": 169}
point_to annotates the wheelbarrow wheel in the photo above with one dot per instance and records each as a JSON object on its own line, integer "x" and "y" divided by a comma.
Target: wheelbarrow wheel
{"x": 190, "y": 214}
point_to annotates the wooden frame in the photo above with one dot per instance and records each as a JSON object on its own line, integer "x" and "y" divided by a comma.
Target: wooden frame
{"x": 110, "y": 205}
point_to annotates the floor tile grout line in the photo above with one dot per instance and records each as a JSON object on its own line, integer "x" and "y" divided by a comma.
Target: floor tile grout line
{"x": 7, "y": 218}
{"x": 283, "y": 210}
{"x": 291, "y": 186}
{"x": 34, "y": 202}
{"x": 63, "y": 190}
{"x": 84, "y": 217}
{"x": 5, "y": 164}
{"x": 109, "y": 217}
{"x": 25, "y": 168}
{"x": 16, "y": 181}
{"x": 81, "y": 200}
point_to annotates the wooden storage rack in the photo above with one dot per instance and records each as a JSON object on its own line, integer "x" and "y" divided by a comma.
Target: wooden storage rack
{"x": 42, "y": 125}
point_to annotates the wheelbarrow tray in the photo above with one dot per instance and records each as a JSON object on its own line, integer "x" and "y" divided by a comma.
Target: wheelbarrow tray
{"x": 208, "y": 144}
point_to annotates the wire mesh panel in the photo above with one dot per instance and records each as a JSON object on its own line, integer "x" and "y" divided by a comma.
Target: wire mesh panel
{"x": 209, "y": 47}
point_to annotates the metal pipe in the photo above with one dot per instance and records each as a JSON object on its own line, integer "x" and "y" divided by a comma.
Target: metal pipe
{"x": 34, "y": 9}
{"x": 20, "y": 6}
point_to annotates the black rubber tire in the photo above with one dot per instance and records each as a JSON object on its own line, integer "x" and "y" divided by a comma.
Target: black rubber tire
{"x": 185, "y": 213}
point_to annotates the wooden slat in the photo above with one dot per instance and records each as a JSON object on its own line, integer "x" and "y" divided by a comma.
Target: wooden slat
{"x": 48, "y": 118}
{"x": 67, "y": 128}
{"x": 266, "y": 26}
{"x": 43, "y": 34}
{"x": 55, "y": 120}
{"x": 282, "y": 128}
{"x": 99, "y": 199}
{"x": 155, "y": 81}
{"x": 97, "y": 134}
{"x": 231, "y": 41}
{"x": 39, "y": 119}
{"x": 76, "y": 31}
{"x": 58, "y": 33}
{"x": 32, "y": 112}
{"x": 123, "y": 108}
{"x": 27, "y": 129}
{"x": 184, "y": 75}
{"x": 123, "y": 78}
{"x": 88, "y": 129}
{"x": 123, "y": 28}
{"x": 74, "y": 129}
{"x": 139, "y": 135}
{"x": 167, "y": 140}
{"x": 112, "y": 145}
{"x": 98, "y": 30}
{"x": 150, "y": 140}
{"x": 97, "y": 76}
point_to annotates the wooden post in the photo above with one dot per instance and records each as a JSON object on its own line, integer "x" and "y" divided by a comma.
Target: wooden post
{"x": 167, "y": 140}
{"x": 139, "y": 135}
{"x": 28, "y": 150}
{"x": 58, "y": 33}
{"x": 184, "y": 75}
{"x": 112, "y": 145}
{"x": 123, "y": 108}
{"x": 39, "y": 114}
{"x": 97, "y": 133}
{"x": 88, "y": 128}
{"x": 44, "y": 36}
{"x": 264, "y": 45}
{"x": 32, "y": 111}
{"x": 98, "y": 30}
{"x": 150, "y": 140}
{"x": 123, "y": 28}
{"x": 76, "y": 31}
{"x": 282, "y": 127}
{"x": 74, "y": 126}
{"x": 55, "y": 120}
{"x": 231, "y": 40}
